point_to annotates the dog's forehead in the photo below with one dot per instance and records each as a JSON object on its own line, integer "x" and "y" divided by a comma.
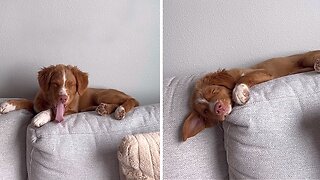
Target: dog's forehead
{"x": 57, "y": 73}
{"x": 68, "y": 75}
{"x": 207, "y": 91}
{"x": 63, "y": 73}
{"x": 210, "y": 94}
{"x": 212, "y": 87}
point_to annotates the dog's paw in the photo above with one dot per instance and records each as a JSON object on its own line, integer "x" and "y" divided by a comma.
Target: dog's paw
{"x": 241, "y": 94}
{"x": 317, "y": 65}
{"x": 42, "y": 118}
{"x": 6, "y": 107}
{"x": 120, "y": 113}
{"x": 104, "y": 109}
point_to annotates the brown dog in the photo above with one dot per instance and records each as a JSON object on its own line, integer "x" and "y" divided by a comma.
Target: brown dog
{"x": 215, "y": 93}
{"x": 63, "y": 91}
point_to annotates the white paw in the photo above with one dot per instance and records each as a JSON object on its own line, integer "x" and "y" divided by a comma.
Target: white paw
{"x": 317, "y": 65}
{"x": 120, "y": 113}
{"x": 241, "y": 94}
{"x": 6, "y": 107}
{"x": 42, "y": 118}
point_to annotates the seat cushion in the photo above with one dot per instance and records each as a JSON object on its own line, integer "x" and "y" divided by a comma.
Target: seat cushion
{"x": 84, "y": 145}
{"x": 276, "y": 135}
{"x": 13, "y": 127}
{"x": 200, "y": 157}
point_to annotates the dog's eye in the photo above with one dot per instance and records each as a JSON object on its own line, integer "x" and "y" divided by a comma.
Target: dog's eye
{"x": 55, "y": 85}
{"x": 70, "y": 83}
{"x": 205, "y": 111}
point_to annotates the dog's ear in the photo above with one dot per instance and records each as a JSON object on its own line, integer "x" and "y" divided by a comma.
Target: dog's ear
{"x": 82, "y": 79}
{"x": 192, "y": 125}
{"x": 44, "y": 77}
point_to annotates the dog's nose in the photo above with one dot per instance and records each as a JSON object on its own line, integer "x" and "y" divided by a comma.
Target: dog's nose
{"x": 63, "y": 98}
{"x": 219, "y": 108}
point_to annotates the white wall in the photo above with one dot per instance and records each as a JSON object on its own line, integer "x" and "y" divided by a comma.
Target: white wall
{"x": 204, "y": 35}
{"x": 115, "y": 41}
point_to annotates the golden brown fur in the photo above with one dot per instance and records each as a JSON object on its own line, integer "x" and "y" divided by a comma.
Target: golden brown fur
{"x": 216, "y": 93}
{"x": 77, "y": 96}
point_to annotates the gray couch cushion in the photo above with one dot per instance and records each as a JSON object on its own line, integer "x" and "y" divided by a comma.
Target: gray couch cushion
{"x": 13, "y": 127}
{"x": 84, "y": 145}
{"x": 277, "y": 133}
{"x": 200, "y": 157}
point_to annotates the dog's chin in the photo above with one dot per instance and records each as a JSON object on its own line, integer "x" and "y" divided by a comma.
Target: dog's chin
{"x": 56, "y": 105}
{"x": 228, "y": 111}
{"x": 223, "y": 117}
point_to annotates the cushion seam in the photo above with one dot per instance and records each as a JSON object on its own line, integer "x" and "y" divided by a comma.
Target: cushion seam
{"x": 94, "y": 133}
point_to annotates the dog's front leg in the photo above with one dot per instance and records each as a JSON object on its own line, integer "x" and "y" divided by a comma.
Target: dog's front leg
{"x": 42, "y": 118}
{"x": 241, "y": 92}
{"x": 16, "y": 104}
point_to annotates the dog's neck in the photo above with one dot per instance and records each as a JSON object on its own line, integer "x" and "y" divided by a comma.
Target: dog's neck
{"x": 236, "y": 74}
{"x": 73, "y": 105}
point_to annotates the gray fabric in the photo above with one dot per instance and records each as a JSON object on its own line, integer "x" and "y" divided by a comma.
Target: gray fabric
{"x": 200, "y": 157}
{"x": 84, "y": 145}
{"x": 13, "y": 128}
{"x": 277, "y": 133}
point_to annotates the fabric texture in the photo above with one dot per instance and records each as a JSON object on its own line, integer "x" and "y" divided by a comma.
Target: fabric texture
{"x": 276, "y": 135}
{"x": 13, "y": 127}
{"x": 84, "y": 145}
{"x": 200, "y": 157}
{"x": 139, "y": 157}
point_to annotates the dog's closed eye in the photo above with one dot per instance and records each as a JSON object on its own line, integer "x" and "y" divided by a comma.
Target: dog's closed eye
{"x": 70, "y": 83}
{"x": 55, "y": 85}
{"x": 201, "y": 101}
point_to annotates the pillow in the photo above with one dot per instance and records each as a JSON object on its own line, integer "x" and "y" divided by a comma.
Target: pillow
{"x": 139, "y": 156}
{"x": 276, "y": 135}
{"x": 200, "y": 157}
{"x": 84, "y": 145}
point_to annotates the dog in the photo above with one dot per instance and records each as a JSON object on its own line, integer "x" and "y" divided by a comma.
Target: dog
{"x": 63, "y": 91}
{"x": 216, "y": 93}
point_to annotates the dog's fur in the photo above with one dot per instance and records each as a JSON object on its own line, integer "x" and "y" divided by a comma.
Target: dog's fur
{"x": 215, "y": 94}
{"x": 67, "y": 85}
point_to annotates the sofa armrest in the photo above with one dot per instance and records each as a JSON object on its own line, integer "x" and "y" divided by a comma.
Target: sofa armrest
{"x": 13, "y": 128}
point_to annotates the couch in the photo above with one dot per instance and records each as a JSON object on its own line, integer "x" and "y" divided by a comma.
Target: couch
{"x": 276, "y": 135}
{"x": 83, "y": 146}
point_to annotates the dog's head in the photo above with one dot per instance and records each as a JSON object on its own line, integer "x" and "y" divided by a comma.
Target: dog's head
{"x": 211, "y": 102}
{"x": 61, "y": 84}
